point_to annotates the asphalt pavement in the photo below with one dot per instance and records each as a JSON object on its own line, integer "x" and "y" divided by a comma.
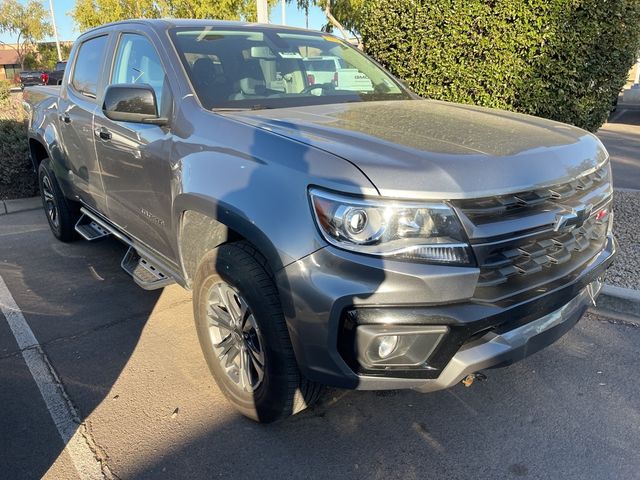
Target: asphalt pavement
{"x": 129, "y": 363}
{"x": 621, "y": 136}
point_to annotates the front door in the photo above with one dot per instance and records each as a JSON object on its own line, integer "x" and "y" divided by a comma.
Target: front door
{"x": 135, "y": 157}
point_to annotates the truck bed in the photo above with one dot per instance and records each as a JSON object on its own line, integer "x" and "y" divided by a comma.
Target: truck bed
{"x": 38, "y": 91}
{"x": 39, "y": 94}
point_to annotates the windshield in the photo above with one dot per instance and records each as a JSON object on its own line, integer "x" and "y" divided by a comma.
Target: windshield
{"x": 252, "y": 68}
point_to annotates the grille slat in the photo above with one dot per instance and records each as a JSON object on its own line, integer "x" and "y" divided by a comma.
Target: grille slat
{"x": 512, "y": 263}
{"x": 532, "y": 257}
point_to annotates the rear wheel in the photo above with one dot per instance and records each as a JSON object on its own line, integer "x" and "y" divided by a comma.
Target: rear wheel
{"x": 244, "y": 337}
{"x": 62, "y": 214}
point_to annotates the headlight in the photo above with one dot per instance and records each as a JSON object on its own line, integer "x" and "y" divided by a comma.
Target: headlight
{"x": 409, "y": 231}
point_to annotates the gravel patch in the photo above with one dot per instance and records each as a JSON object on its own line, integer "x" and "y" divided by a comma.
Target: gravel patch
{"x": 625, "y": 271}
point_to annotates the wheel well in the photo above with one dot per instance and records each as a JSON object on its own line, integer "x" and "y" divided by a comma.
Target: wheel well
{"x": 200, "y": 234}
{"x": 233, "y": 236}
{"x": 38, "y": 152}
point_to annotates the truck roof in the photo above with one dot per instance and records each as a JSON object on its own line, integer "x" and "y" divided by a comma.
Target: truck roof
{"x": 162, "y": 24}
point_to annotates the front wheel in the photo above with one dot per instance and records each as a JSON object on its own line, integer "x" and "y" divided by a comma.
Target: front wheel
{"x": 244, "y": 337}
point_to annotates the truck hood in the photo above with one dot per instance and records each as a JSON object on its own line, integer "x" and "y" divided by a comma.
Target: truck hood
{"x": 429, "y": 149}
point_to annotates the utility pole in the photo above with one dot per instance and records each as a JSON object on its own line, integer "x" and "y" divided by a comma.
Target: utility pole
{"x": 263, "y": 11}
{"x": 283, "y": 5}
{"x": 55, "y": 30}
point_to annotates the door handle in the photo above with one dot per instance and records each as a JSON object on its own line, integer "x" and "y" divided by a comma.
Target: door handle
{"x": 103, "y": 133}
{"x": 64, "y": 117}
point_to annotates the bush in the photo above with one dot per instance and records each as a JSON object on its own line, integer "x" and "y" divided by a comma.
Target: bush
{"x": 561, "y": 59}
{"x": 5, "y": 91}
{"x": 17, "y": 179}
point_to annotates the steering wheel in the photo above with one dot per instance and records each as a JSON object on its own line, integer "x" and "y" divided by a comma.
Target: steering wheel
{"x": 323, "y": 86}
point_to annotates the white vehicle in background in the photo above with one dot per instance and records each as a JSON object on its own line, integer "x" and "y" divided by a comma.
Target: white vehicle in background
{"x": 335, "y": 70}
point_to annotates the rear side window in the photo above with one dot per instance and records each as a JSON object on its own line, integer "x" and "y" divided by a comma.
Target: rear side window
{"x": 87, "y": 66}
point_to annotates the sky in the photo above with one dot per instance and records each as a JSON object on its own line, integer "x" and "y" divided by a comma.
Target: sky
{"x": 68, "y": 31}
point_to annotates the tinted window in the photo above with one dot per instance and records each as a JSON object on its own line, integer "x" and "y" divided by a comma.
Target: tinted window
{"x": 87, "y": 67}
{"x": 268, "y": 68}
{"x": 137, "y": 62}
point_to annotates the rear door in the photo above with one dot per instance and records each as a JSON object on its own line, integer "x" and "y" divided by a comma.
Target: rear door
{"x": 75, "y": 115}
{"x": 135, "y": 157}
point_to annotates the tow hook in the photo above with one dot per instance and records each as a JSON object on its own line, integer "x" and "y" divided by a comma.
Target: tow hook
{"x": 472, "y": 377}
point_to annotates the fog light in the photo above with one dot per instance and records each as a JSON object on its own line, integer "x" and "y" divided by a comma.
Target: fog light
{"x": 387, "y": 345}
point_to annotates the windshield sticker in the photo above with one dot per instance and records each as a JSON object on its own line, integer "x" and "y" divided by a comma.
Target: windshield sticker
{"x": 289, "y": 54}
{"x": 331, "y": 38}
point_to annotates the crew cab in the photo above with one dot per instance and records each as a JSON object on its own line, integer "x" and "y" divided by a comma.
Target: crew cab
{"x": 359, "y": 239}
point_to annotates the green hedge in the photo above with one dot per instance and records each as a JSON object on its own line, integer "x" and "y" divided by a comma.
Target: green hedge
{"x": 562, "y": 59}
{"x": 17, "y": 179}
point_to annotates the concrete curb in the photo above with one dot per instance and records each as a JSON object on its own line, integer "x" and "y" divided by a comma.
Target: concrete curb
{"x": 619, "y": 303}
{"x": 19, "y": 205}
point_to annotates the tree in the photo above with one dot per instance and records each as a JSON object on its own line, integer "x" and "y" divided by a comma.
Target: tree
{"x": 343, "y": 15}
{"x": 27, "y": 22}
{"x": 45, "y": 56}
{"x": 91, "y": 13}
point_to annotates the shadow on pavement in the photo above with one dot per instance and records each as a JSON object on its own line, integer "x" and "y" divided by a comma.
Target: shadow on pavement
{"x": 129, "y": 359}
{"x": 67, "y": 292}
{"x": 623, "y": 116}
{"x": 567, "y": 412}
{"x": 621, "y": 137}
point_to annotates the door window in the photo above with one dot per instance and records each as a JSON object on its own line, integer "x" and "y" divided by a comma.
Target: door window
{"x": 87, "y": 68}
{"x": 137, "y": 62}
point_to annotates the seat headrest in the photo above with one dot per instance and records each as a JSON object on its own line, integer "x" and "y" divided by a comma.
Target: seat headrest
{"x": 251, "y": 86}
{"x": 204, "y": 70}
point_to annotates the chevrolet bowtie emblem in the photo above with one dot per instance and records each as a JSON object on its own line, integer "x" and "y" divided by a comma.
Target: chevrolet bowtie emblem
{"x": 565, "y": 222}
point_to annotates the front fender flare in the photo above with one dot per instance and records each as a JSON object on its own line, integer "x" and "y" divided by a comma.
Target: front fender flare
{"x": 205, "y": 223}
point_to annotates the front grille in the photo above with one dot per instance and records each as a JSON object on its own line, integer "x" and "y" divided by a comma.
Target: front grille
{"x": 516, "y": 245}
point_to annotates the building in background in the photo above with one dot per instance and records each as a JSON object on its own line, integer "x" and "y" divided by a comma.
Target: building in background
{"x": 9, "y": 64}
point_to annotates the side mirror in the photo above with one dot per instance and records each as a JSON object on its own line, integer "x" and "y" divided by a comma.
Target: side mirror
{"x": 132, "y": 103}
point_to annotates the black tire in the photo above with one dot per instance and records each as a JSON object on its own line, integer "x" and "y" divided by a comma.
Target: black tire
{"x": 282, "y": 391}
{"x": 62, "y": 214}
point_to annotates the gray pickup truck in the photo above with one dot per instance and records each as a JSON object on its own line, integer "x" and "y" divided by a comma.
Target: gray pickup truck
{"x": 363, "y": 240}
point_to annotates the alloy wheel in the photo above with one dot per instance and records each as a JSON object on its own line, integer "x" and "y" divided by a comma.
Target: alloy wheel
{"x": 235, "y": 337}
{"x": 49, "y": 201}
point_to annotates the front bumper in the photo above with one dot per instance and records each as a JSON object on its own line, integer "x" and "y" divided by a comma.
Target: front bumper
{"x": 325, "y": 291}
{"x": 494, "y": 350}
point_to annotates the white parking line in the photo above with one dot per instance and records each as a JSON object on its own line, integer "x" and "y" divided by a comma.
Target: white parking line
{"x": 62, "y": 412}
